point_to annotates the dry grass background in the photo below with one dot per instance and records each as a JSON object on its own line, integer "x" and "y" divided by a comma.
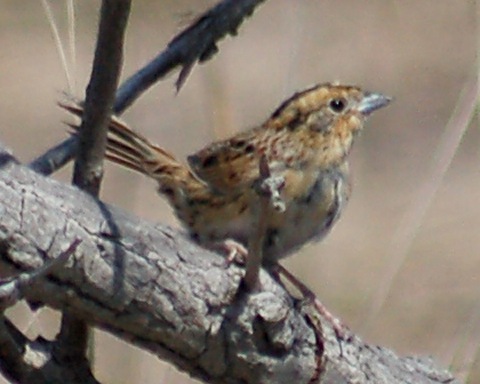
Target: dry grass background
{"x": 422, "y": 52}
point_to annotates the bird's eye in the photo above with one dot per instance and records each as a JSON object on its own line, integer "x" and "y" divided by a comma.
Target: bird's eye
{"x": 338, "y": 105}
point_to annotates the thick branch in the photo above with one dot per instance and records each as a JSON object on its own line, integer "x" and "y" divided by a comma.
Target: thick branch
{"x": 154, "y": 288}
{"x": 197, "y": 43}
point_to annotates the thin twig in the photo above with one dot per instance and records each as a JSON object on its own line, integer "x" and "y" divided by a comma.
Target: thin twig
{"x": 197, "y": 43}
{"x": 268, "y": 189}
{"x": 58, "y": 43}
{"x": 71, "y": 45}
{"x": 12, "y": 289}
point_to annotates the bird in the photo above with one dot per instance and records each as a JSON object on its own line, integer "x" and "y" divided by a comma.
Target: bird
{"x": 306, "y": 141}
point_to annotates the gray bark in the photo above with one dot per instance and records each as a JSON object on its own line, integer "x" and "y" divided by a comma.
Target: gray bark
{"x": 151, "y": 286}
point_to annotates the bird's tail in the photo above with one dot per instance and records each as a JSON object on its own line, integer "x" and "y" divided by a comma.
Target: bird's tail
{"x": 130, "y": 149}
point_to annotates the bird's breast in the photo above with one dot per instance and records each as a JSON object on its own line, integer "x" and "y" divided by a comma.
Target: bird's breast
{"x": 315, "y": 200}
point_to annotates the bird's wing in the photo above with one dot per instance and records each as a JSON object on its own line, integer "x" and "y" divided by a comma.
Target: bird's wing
{"x": 230, "y": 165}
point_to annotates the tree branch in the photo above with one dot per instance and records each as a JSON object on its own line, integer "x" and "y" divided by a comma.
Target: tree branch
{"x": 12, "y": 288}
{"x": 154, "y": 288}
{"x": 197, "y": 43}
{"x": 100, "y": 94}
{"x": 36, "y": 362}
{"x": 73, "y": 337}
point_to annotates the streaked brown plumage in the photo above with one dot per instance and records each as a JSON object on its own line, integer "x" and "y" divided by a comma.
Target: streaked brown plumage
{"x": 306, "y": 140}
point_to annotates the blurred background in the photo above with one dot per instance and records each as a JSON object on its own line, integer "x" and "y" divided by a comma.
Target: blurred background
{"x": 402, "y": 267}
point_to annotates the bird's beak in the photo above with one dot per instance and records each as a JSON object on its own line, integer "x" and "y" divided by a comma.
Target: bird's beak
{"x": 373, "y": 101}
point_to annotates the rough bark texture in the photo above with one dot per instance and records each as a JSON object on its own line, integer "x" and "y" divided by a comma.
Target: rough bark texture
{"x": 151, "y": 286}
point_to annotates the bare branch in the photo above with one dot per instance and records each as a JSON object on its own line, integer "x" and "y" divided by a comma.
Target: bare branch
{"x": 268, "y": 188}
{"x": 197, "y": 43}
{"x": 36, "y": 362}
{"x": 88, "y": 169}
{"x": 12, "y": 347}
{"x": 11, "y": 289}
{"x": 154, "y": 288}
{"x": 100, "y": 95}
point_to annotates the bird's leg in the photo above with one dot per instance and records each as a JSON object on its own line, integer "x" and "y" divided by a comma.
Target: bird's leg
{"x": 340, "y": 329}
